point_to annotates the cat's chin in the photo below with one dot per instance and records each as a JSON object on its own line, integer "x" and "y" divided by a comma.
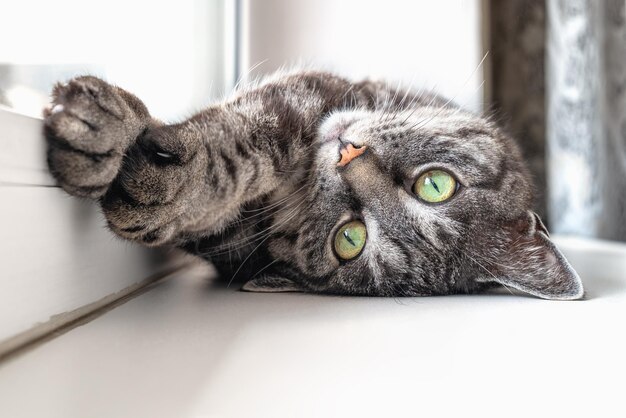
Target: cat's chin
{"x": 333, "y": 134}
{"x": 335, "y": 126}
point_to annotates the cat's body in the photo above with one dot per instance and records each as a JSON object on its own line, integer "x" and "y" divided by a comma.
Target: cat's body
{"x": 265, "y": 184}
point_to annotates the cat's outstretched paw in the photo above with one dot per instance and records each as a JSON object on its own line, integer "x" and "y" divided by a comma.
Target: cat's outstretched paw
{"x": 89, "y": 127}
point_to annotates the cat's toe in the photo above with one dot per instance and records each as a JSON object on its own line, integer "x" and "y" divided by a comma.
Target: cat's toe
{"x": 86, "y": 135}
{"x": 82, "y": 174}
{"x": 102, "y": 94}
{"x": 79, "y": 119}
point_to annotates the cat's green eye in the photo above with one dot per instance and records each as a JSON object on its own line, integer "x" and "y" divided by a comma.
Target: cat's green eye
{"x": 350, "y": 240}
{"x": 435, "y": 186}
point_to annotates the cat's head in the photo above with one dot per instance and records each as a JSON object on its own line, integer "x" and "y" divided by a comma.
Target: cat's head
{"x": 420, "y": 202}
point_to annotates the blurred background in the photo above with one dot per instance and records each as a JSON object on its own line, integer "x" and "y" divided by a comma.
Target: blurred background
{"x": 552, "y": 73}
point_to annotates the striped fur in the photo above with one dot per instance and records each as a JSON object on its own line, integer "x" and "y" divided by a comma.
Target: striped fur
{"x": 252, "y": 184}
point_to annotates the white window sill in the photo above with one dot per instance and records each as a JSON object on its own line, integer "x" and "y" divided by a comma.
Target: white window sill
{"x": 189, "y": 348}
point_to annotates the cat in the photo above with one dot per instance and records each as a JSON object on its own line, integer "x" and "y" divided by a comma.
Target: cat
{"x": 310, "y": 182}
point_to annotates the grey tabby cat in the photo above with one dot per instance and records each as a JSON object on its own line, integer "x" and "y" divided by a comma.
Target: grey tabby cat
{"x": 310, "y": 182}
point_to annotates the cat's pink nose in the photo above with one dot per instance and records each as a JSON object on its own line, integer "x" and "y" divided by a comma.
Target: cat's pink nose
{"x": 348, "y": 153}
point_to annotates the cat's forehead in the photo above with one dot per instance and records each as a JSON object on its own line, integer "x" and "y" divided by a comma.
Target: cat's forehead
{"x": 427, "y": 122}
{"x": 408, "y": 141}
{"x": 442, "y": 128}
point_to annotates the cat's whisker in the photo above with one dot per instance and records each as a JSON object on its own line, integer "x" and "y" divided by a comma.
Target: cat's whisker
{"x": 385, "y": 106}
{"x": 395, "y": 105}
{"x": 461, "y": 107}
{"x": 480, "y": 265}
{"x": 237, "y": 245}
{"x": 401, "y": 105}
{"x": 284, "y": 200}
{"x": 488, "y": 271}
{"x": 292, "y": 215}
{"x": 409, "y": 105}
{"x": 348, "y": 91}
{"x": 393, "y": 102}
{"x": 277, "y": 203}
{"x": 377, "y": 99}
{"x": 271, "y": 263}
{"x": 244, "y": 74}
{"x": 407, "y": 91}
{"x": 429, "y": 104}
{"x": 226, "y": 247}
{"x": 267, "y": 212}
{"x": 262, "y": 217}
{"x": 450, "y": 100}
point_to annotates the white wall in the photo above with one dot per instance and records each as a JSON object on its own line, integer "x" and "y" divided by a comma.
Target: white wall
{"x": 57, "y": 258}
{"x": 171, "y": 53}
{"x": 431, "y": 44}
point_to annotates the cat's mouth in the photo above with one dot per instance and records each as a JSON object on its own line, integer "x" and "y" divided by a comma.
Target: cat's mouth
{"x": 336, "y": 140}
{"x": 336, "y": 133}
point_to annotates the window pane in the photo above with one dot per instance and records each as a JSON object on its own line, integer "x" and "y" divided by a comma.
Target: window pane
{"x": 171, "y": 54}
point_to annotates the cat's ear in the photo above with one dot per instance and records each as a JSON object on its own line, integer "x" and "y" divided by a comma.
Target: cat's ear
{"x": 530, "y": 262}
{"x": 272, "y": 284}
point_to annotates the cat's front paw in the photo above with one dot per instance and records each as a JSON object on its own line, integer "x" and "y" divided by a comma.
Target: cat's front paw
{"x": 89, "y": 127}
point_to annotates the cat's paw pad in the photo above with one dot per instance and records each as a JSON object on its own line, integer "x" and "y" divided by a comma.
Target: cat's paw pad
{"x": 88, "y": 128}
{"x": 87, "y": 114}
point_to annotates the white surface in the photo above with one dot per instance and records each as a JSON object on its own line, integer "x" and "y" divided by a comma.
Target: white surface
{"x": 188, "y": 349}
{"x": 55, "y": 253}
{"x": 23, "y": 157}
{"x": 427, "y": 44}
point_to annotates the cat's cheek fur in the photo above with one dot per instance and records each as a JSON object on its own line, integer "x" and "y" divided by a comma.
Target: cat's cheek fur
{"x": 530, "y": 262}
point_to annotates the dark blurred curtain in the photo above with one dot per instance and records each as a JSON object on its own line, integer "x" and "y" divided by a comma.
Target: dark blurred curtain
{"x": 517, "y": 33}
{"x": 559, "y": 86}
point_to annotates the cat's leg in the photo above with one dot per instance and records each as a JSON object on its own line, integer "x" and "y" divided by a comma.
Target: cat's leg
{"x": 103, "y": 144}
{"x": 156, "y": 183}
